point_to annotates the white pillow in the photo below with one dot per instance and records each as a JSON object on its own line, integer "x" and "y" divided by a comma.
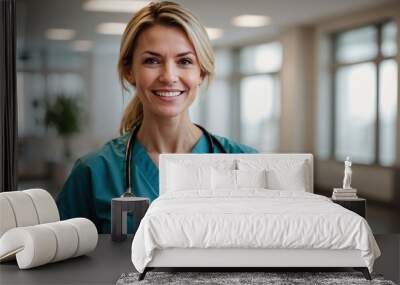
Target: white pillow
{"x": 235, "y": 179}
{"x": 282, "y": 174}
{"x": 223, "y": 179}
{"x": 291, "y": 179}
{"x": 181, "y": 177}
{"x": 251, "y": 178}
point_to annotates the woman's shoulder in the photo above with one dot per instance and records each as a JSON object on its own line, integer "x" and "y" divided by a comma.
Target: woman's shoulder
{"x": 110, "y": 151}
{"x": 231, "y": 146}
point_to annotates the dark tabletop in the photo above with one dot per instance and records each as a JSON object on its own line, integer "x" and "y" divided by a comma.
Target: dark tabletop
{"x": 110, "y": 259}
{"x": 104, "y": 265}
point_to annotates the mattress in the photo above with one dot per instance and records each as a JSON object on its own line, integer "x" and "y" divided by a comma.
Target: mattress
{"x": 251, "y": 219}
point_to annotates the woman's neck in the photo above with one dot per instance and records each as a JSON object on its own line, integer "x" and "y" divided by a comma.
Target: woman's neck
{"x": 177, "y": 135}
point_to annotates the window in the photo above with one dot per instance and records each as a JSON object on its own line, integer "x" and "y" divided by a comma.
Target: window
{"x": 213, "y": 105}
{"x": 260, "y": 96}
{"x": 365, "y": 94}
{"x": 243, "y": 100}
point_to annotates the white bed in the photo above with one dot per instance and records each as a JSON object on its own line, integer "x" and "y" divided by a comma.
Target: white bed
{"x": 202, "y": 222}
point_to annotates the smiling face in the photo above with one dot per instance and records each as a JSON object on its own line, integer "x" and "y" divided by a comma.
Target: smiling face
{"x": 165, "y": 71}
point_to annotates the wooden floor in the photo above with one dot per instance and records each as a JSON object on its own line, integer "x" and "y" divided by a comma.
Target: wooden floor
{"x": 388, "y": 264}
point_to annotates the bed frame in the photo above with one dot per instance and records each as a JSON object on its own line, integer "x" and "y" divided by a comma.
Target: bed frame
{"x": 242, "y": 259}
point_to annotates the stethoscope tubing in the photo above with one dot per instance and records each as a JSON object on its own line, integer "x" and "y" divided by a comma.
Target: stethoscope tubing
{"x": 128, "y": 164}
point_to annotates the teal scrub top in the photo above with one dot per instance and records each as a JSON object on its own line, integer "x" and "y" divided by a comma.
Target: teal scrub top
{"x": 98, "y": 177}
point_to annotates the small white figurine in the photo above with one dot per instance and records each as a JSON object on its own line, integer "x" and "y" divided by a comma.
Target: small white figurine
{"x": 347, "y": 174}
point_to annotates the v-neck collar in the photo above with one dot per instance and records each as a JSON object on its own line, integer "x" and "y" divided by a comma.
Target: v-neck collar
{"x": 139, "y": 150}
{"x": 149, "y": 170}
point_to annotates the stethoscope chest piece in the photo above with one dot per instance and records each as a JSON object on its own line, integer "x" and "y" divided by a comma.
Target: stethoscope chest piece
{"x": 120, "y": 207}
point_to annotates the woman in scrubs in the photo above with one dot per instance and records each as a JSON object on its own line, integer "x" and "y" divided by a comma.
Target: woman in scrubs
{"x": 166, "y": 55}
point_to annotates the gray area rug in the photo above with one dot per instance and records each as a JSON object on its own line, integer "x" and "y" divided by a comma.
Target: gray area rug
{"x": 229, "y": 278}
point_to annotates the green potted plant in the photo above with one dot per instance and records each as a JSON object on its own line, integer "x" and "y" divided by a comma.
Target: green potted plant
{"x": 63, "y": 114}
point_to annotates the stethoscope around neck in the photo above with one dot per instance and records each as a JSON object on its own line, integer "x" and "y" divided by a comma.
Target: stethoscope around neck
{"x": 212, "y": 141}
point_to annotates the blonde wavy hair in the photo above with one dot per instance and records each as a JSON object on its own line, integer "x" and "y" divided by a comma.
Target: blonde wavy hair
{"x": 166, "y": 14}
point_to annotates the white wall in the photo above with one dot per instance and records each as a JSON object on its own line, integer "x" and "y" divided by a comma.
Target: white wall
{"x": 297, "y": 92}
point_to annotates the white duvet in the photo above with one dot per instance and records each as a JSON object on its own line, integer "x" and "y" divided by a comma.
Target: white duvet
{"x": 250, "y": 218}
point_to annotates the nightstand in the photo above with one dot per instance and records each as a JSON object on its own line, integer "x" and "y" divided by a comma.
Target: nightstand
{"x": 358, "y": 206}
{"x": 120, "y": 207}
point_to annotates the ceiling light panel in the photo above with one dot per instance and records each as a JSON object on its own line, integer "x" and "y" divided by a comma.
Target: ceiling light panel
{"x": 214, "y": 33}
{"x": 111, "y": 28}
{"x": 116, "y": 6}
{"x": 251, "y": 21}
{"x": 60, "y": 34}
{"x": 82, "y": 45}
